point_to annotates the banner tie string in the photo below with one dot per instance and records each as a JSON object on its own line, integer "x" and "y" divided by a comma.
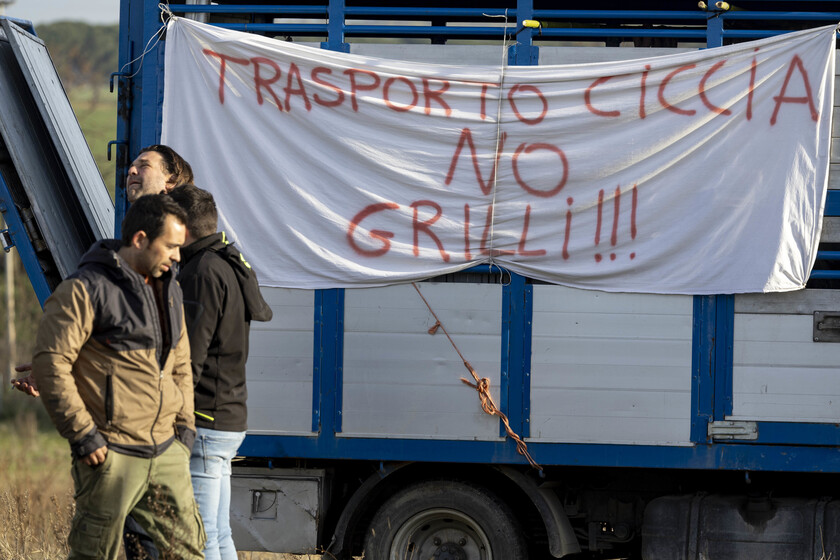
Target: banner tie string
{"x": 496, "y": 156}
{"x": 482, "y": 386}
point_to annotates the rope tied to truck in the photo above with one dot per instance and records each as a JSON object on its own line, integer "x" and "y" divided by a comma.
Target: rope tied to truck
{"x": 481, "y": 385}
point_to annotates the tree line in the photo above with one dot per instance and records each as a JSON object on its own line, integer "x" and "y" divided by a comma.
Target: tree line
{"x": 84, "y": 55}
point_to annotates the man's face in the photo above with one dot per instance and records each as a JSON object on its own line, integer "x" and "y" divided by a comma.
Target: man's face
{"x": 147, "y": 175}
{"x": 156, "y": 257}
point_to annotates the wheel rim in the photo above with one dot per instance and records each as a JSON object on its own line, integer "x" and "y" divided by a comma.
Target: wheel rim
{"x": 440, "y": 534}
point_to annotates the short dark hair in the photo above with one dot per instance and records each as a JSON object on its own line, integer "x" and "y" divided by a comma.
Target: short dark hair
{"x": 148, "y": 214}
{"x": 202, "y": 216}
{"x": 176, "y": 166}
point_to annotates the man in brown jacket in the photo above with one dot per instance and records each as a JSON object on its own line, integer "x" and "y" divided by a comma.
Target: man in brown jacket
{"x": 112, "y": 364}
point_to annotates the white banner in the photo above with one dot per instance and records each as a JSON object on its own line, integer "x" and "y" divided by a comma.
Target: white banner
{"x": 695, "y": 173}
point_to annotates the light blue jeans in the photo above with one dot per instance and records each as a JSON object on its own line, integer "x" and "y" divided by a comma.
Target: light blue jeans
{"x": 210, "y": 471}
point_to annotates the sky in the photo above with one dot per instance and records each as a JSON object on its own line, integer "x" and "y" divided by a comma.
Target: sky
{"x": 47, "y": 11}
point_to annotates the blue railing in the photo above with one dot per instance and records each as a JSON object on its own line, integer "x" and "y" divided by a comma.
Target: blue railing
{"x": 713, "y": 25}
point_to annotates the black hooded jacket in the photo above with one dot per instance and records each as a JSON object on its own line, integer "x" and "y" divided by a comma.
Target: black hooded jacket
{"x": 221, "y": 298}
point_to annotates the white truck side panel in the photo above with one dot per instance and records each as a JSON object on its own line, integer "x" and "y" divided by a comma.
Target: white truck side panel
{"x": 780, "y": 374}
{"x": 280, "y": 364}
{"x": 610, "y": 368}
{"x": 400, "y": 381}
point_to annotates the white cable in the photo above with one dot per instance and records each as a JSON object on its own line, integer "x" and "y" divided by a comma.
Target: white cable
{"x": 164, "y": 8}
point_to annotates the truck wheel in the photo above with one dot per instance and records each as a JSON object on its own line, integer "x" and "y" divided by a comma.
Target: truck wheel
{"x": 444, "y": 520}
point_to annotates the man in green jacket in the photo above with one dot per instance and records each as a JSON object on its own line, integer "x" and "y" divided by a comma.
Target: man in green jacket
{"x": 112, "y": 364}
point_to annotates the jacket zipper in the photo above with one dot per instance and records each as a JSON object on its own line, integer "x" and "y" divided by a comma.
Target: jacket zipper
{"x": 149, "y": 289}
{"x": 109, "y": 399}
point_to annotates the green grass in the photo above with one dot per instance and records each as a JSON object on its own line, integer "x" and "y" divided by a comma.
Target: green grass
{"x": 31, "y": 455}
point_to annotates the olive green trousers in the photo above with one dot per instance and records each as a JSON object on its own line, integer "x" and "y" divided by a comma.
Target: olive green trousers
{"x": 157, "y": 492}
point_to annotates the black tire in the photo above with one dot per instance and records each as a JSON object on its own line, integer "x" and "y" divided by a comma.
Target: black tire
{"x": 444, "y": 520}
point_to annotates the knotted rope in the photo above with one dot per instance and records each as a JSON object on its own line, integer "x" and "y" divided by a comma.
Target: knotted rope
{"x": 482, "y": 386}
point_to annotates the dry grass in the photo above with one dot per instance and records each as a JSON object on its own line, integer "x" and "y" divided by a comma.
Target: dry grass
{"x": 36, "y": 494}
{"x": 36, "y": 500}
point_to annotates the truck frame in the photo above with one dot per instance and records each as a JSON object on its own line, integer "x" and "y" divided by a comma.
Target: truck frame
{"x": 665, "y": 427}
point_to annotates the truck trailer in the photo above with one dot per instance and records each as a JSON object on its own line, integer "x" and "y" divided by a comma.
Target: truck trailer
{"x": 654, "y": 426}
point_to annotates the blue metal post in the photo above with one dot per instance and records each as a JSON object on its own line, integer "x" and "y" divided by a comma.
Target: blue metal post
{"x": 523, "y": 52}
{"x": 141, "y": 88}
{"x": 329, "y": 339}
{"x": 517, "y": 311}
{"x": 724, "y": 316}
{"x": 702, "y": 367}
{"x": 124, "y": 94}
{"x": 515, "y": 391}
{"x": 150, "y": 80}
{"x": 711, "y": 367}
{"x": 335, "y": 27}
{"x": 714, "y": 29}
{"x": 327, "y": 379}
{"x": 724, "y": 326}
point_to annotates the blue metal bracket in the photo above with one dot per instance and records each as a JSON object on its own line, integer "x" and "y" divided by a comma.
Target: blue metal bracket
{"x": 16, "y": 234}
{"x": 118, "y": 143}
{"x": 119, "y": 74}
{"x": 6, "y": 239}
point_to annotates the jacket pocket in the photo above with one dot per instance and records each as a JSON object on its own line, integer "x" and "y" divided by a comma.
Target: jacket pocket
{"x": 89, "y": 534}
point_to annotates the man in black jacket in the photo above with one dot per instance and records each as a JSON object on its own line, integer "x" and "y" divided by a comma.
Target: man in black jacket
{"x": 221, "y": 298}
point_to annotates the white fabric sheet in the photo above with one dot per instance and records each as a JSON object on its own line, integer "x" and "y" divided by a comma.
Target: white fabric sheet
{"x": 694, "y": 173}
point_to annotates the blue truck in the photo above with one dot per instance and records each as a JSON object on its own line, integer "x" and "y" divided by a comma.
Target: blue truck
{"x": 664, "y": 426}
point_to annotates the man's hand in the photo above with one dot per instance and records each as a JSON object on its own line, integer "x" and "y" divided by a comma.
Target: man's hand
{"x": 26, "y": 384}
{"x": 96, "y": 458}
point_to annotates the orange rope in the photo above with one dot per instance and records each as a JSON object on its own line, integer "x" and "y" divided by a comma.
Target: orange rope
{"x": 482, "y": 385}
